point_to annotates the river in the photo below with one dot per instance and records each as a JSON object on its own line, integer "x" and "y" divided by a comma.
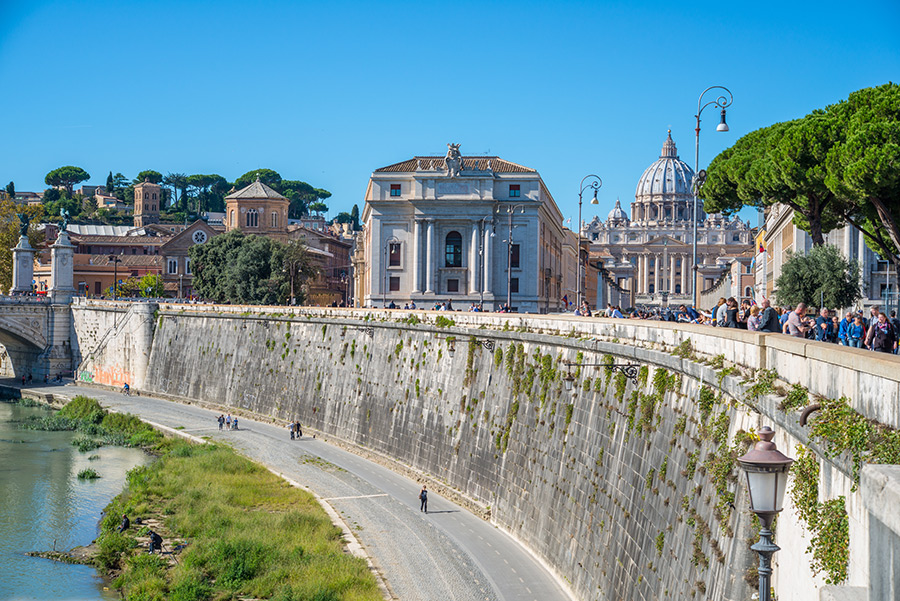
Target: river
{"x": 44, "y": 506}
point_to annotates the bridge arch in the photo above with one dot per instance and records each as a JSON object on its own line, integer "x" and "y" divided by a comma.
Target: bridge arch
{"x": 19, "y": 356}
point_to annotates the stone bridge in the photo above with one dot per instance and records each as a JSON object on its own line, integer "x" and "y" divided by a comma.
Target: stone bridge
{"x": 627, "y": 489}
{"x": 35, "y": 337}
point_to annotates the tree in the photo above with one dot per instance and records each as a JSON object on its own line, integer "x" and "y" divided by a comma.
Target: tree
{"x": 151, "y": 286}
{"x": 318, "y": 208}
{"x": 354, "y": 215}
{"x": 821, "y": 276}
{"x": 175, "y": 181}
{"x": 89, "y": 206}
{"x": 240, "y": 269}
{"x": 267, "y": 176}
{"x": 864, "y": 166}
{"x": 110, "y": 184}
{"x": 154, "y": 177}
{"x": 298, "y": 268}
{"x": 11, "y": 190}
{"x": 66, "y": 176}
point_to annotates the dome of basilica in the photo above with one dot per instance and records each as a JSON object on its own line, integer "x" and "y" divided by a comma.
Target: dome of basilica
{"x": 617, "y": 214}
{"x": 669, "y": 178}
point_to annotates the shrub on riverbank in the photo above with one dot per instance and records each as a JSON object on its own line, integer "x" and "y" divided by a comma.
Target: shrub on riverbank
{"x": 97, "y": 426}
{"x": 248, "y": 534}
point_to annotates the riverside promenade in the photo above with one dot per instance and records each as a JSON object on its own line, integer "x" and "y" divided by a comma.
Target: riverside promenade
{"x": 447, "y": 554}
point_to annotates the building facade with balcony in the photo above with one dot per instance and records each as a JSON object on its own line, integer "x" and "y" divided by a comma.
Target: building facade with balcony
{"x": 437, "y": 229}
{"x": 651, "y": 252}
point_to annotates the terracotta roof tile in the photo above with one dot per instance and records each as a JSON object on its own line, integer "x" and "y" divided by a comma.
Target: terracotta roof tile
{"x": 431, "y": 163}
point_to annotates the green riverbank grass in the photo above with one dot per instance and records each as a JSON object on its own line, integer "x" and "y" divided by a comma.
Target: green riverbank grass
{"x": 248, "y": 534}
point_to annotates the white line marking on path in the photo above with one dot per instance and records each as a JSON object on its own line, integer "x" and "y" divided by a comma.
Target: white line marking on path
{"x": 356, "y": 497}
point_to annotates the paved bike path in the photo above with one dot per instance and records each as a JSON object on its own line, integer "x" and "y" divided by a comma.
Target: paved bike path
{"x": 447, "y": 554}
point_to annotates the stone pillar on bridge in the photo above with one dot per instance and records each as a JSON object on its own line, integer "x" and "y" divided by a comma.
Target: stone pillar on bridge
{"x": 62, "y": 270}
{"x": 23, "y": 267}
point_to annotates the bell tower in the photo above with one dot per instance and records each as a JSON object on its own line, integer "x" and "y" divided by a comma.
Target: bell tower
{"x": 147, "y": 198}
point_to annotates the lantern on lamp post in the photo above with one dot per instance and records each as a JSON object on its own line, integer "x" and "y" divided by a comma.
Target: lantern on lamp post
{"x": 766, "y": 469}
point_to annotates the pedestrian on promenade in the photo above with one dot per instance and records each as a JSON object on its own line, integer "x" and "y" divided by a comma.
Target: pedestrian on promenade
{"x": 221, "y": 420}
{"x": 423, "y": 499}
{"x": 856, "y": 333}
{"x": 881, "y": 336}
{"x": 896, "y": 325}
{"x": 234, "y": 423}
{"x": 291, "y": 429}
{"x": 824, "y": 327}
{"x": 844, "y": 329}
{"x": 228, "y": 422}
{"x": 796, "y": 324}
{"x": 753, "y": 322}
{"x": 731, "y": 313}
{"x": 23, "y": 379}
{"x": 299, "y": 430}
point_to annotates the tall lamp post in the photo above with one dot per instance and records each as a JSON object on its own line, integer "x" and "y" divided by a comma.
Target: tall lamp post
{"x": 510, "y": 210}
{"x": 115, "y": 261}
{"x": 767, "y": 470}
{"x": 588, "y": 181}
{"x": 722, "y": 102}
{"x": 387, "y": 246}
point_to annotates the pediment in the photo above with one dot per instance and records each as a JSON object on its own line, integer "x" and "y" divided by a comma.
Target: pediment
{"x": 667, "y": 241}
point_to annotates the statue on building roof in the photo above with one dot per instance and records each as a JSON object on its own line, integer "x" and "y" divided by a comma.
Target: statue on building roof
{"x": 453, "y": 160}
{"x": 65, "y": 219}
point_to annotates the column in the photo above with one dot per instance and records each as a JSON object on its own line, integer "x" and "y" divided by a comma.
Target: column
{"x": 684, "y": 268}
{"x": 415, "y": 261}
{"x": 23, "y": 266}
{"x": 62, "y": 273}
{"x": 657, "y": 269}
{"x": 645, "y": 274}
{"x": 473, "y": 260}
{"x": 429, "y": 259}
{"x": 671, "y": 274}
{"x": 488, "y": 283}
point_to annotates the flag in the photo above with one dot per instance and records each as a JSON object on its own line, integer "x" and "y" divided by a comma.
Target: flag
{"x": 760, "y": 244}
{"x": 565, "y": 299}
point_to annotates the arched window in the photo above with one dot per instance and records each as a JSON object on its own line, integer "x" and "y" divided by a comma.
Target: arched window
{"x": 231, "y": 218}
{"x": 453, "y": 248}
{"x": 274, "y": 220}
{"x": 748, "y": 291}
{"x": 252, "y": 218}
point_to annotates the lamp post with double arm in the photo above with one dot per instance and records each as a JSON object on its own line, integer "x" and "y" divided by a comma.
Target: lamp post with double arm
{"x": 115, "y": 261}
{"x": 510, "y": 210}
{"x": 594, "y": 182}
{"x": 723, "y": 102}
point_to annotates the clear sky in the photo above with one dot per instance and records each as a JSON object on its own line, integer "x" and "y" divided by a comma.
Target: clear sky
{"x": 326, "y": 92}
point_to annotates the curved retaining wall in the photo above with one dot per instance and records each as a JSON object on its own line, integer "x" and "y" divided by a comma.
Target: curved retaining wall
{"x": 612, "y": 487}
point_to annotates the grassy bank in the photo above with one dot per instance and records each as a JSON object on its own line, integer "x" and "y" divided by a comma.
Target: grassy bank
{"x": 246, "y": 534}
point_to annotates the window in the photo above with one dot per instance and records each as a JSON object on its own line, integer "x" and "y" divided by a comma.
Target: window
{"x": 394, "y": 254}
{"x": 652, "y": 262}
{"x": 677, "y": 262}
{"x": 394, "y": 283}
{"x": 231, "y": 218}
{"x": 97, "y": 288}
{"x": 146, "y": 207}
{"x": 514, "y": 285}
{"x": 677, "y": 288}
{"x": 187, "y": 265}
{"x": 274, "y": 220}
{"x": 652, "y": 288}
{"x": 172, "y": 266}
{"x": 748, "y": 291}
{"x": 453, "y": 285}
{"x": 453, "y": 250}
{"x": 154, "y": 196}
{"x": 152, "y": 207}
{"x": 735, "y": 237}
{"x": 514, "y": 256}
{"x": 514, "y": 191}
{"x": 134, "y": 251}
{"x": 252, "y": 218}
{"x": 395, "y": 189}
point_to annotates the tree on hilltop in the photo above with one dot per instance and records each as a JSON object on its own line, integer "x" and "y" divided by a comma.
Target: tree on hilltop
{"x": 269, "y": 177}
{"x": 154, "y": 177}
{"x": 67, "y": 177}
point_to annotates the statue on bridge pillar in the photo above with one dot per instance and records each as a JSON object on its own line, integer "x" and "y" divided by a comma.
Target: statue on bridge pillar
{"x": 23, "y": 260}
{"x": 62, "y": 268}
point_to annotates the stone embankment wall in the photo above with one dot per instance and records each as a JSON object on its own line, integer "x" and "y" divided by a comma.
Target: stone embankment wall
{"x": 626, "y": 490}
{"x": 111, "y": 341}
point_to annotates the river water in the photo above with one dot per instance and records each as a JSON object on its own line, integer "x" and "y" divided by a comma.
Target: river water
{"x": 44, "y": 506}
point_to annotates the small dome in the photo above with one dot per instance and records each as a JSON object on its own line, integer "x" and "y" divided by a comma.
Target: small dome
{"x": 617, "y": 214}
{"x": 666, "y": 179}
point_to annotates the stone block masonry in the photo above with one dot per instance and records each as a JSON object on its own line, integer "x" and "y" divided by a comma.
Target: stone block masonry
{"x": 628, "y": 491}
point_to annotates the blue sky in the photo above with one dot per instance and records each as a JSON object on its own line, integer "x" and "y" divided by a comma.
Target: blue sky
{"x": 326, "y": 92}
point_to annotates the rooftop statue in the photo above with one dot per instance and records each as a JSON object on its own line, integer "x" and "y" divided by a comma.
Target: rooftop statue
{"x": 65, "y": 220}
{"x": 453, "y": 160}
{"x": 24, "y": 221}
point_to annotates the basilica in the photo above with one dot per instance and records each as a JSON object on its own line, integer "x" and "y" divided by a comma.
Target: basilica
{"x": 650, "y": 253}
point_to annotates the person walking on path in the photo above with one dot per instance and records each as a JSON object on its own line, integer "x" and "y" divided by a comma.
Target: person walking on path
{"x": 856, "y": 333}
{"x": 221, "y": 420}
{"x": 291, "y": 429}
{"x": 234, "y": 423}
{"x": 844, "y": 329}
{"x": 423, "y": 499}
{"x": 881, "y": 336}
{"x": 299, "y": 431}
{"x": 795, "y": 325}
{"x": 228, "y": 422}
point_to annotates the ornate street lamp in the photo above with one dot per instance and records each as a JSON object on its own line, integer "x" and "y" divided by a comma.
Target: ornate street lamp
{"x": 115, "y": 261}
{"x": 630, "y": 370}
{"x": 767, "y": 470}
{"x": 722, "y": 102}
{"x": 595, "y": 183}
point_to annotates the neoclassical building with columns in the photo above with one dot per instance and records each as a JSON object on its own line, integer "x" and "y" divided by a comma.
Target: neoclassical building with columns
{"x": 651, "y": 252}
{"x": 463, "y": 229}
